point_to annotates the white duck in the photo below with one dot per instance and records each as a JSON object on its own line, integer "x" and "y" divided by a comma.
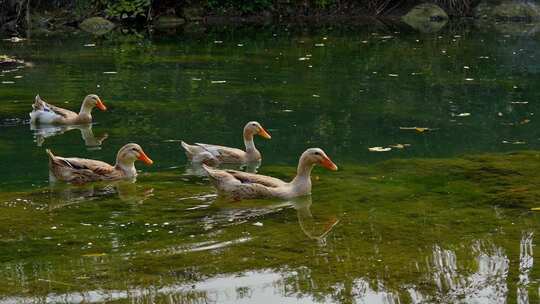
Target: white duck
{"x": 45, "y": 113}
{"x": 214, "y": 154}
{"x": 242, "y": 185}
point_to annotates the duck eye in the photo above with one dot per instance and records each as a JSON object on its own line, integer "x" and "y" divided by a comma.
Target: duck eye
{"x": 317, "y": 153}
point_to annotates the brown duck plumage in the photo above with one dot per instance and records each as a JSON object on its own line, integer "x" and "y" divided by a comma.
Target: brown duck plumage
{"x": 80, "y": 170}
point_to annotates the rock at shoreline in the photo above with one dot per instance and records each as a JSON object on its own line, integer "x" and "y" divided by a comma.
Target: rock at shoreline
{"x": 169, "y": 21}
{"x": 508, "y": 11}
{"x": 426, "y": 18}
{"x": 97, "y": 25}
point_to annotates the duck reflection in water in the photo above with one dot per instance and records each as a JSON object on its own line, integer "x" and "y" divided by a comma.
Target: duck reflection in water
{"x": 62, "y": 194}
{"x": 313, "y": 228}
{"x": 42, "y": 132}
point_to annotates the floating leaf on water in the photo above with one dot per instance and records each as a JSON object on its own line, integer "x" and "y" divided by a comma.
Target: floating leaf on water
{"x": 525, "y": 121}
{"x": 14, "y": 39}
{"x": 97, "y": 254}
{"x": 365, "y": 41}
{"x": 379, "y": 149}
{"x": 110, "y": 72}
{"x": 500, "y": 114}
{"x": 393, "y": 75}
{"x": 303, "y": 58}
{"x": 319, "y": 44}
{"x": 535, "y": 209}
{"x": 258, "y": 224}
{"x": 90, "y": 45}
{"x": 387, "y": 37}
{"x": 463, "y": 114}
{"x": 8, "y": 82}
{"x": 400, "y": 146}
{"x": 469, "y": 79}
{"x": 316, "y": 96}
{"x": 18, "y": 77}
{"x": 517, "y": 142}
{"x": 218, "y": 81}
{"x": 417, "y": 129}
{"x": 218, "y": 41}
{"x": 196, "y": 79}
{"x": 287, "y": 110}
{"x": 519, "y": 102}
{"x": 466, "y": 67}
{"x": 240, "y": 44}
{"x": 198, "y": 207}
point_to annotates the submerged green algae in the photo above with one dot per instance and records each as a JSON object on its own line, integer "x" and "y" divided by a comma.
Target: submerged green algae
{"x": 389, "y": 224}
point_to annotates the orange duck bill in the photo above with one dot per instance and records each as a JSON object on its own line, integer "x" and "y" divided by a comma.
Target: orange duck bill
{"x": 328, "y": 164}
{"x": 144, "y": 158}
{"x": 264, "y": 133}
{"x": 100, "y": 105}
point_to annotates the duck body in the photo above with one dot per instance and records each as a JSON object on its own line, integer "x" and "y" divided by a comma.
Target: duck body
{"x": 81, "y": 170}
{"x": 241, "y": 185}
{"x": 214, "y": 155}
{"x": 45, "y": 113}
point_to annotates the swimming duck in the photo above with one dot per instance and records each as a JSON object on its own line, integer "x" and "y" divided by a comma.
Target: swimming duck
{"x": 241, "y": 185}
{"x": 214, "y": 155}
{"x": 80, "y": 170}
{"x": 45, "y": 113}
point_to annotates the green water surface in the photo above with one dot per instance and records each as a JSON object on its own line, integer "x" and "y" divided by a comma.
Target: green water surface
{"x": 443, "y": 217}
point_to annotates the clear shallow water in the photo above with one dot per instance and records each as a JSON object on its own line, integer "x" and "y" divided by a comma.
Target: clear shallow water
{"x": 443, "y": 220}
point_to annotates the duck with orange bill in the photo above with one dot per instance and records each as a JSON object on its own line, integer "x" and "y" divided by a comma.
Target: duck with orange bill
{"x": 241, "y": 185}
{"x": 46, "y": 113}
{"x": 80, "y": 170}
{"x": 214, "y": 155}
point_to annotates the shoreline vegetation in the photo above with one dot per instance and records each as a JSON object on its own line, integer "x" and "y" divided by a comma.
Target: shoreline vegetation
{"x": 100, "y": 16}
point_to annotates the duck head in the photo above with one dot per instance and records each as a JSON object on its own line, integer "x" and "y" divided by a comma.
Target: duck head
{"x": 128, "y": 154}
{"x": 255, "y": 128}
{"x": 316, "y": 156}
{"x": 93, "y": 101}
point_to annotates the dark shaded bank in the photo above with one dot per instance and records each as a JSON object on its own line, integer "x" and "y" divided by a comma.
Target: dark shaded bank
{"x": 18, "y": 15}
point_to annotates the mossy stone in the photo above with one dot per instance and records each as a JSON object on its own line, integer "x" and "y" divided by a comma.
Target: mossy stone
{"x": 511, "y": 10}
{"x": 169, "y": 21}
{"x": 426, "y": 18}
{"x": 97, "y": 25}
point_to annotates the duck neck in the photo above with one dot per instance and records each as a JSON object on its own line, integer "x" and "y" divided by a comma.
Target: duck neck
{"x": 127, "y": 167}
{"x": 302, "y": 180}
{"x": 251, "y": 151}
{"x": 86, "y": 110}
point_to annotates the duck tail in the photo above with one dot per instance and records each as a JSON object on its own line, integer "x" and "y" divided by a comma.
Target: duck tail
{"x": 190, "y": 151}
{"x": 38, "y": 103}
{"x": 50, "y": 154}
{"x": 209, "y": 171}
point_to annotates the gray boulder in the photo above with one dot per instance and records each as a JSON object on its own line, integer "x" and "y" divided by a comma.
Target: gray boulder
{"x": 426, "y": 18}
{"x": 97, "y": 25}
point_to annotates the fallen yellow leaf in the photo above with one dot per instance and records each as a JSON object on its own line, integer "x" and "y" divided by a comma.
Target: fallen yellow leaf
{"x": 94, "y": 254}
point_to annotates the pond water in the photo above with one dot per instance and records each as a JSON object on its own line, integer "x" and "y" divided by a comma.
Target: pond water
{"x": 444, "y": 216}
